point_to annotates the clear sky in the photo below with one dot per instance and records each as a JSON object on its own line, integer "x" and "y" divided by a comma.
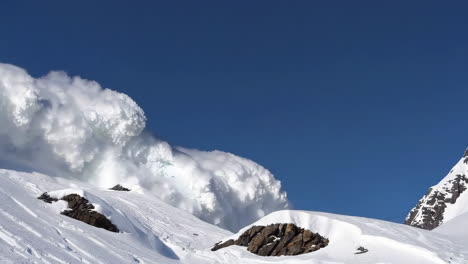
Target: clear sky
{"x": 358, "y": 107}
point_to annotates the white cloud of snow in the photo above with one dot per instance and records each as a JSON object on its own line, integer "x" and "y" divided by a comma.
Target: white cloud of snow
{"x": 72, "y": 127}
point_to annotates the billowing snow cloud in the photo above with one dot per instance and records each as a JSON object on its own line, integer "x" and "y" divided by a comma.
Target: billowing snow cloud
{"x": 72, "y": 127}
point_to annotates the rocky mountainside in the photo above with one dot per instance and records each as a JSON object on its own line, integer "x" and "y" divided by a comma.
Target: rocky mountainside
{"x": 444, "y": 201}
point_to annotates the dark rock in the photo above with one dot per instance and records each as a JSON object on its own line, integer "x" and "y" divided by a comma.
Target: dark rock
{"x": 277, "y": 240}
{"x": 259, "y": 240}
{"x": 80, "y": 209}
{"x": 307, "y": 236}
{"x": 361, "y": 250}
{"x": 119, "y": 187}
{"x": 289, "y": 232}
{"x": 247, "y": 236}
{"x": 219, "y": 245}
{"x": 267, "y": 248}
{"x": 281, "y": 228}
{"x": 46, "y": 198}
{"x": 295, "y": 246}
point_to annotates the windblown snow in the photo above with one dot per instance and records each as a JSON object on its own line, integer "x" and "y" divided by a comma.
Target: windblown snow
{"x": 152, "y": 231}
{"x": 71, "y": 127}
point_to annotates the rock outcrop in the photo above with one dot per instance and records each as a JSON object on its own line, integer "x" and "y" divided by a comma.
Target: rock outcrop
{"x": 361, "y": 250}
{"x": 81, "y": 209}
{"x": 46, "y": 198}
{"x": 277, "y": 240}
{"x": 429, "y": 212}
{"x": 119, "y": 187}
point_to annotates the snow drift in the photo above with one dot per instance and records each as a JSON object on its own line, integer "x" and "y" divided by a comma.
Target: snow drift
{"x": 71, "y": 127}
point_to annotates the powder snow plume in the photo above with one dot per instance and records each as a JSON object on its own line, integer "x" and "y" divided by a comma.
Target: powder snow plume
{"x": 71, "y": 127}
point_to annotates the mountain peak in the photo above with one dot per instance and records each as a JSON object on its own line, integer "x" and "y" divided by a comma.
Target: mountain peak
{"x": 465, "y": 154}
{"x": 443, "y": 201}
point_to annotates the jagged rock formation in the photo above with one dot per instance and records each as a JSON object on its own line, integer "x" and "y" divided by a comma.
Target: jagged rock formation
{"x": 81, "y": 209}
{"x": 431, "y": 210}
{"x": 277, "y": 240}
{"x": 119, "y": 187}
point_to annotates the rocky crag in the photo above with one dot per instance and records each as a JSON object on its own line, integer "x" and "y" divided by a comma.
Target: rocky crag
{"x": 81, "y": 209}
{"x": 277, "y": 240}
{"x": 431, "y": 210}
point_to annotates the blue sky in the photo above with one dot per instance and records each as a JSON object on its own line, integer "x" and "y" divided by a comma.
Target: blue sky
{"x": 357, "y": 107}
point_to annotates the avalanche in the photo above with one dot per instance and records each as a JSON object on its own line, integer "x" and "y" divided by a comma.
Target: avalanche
{"x": 71, "y": 127}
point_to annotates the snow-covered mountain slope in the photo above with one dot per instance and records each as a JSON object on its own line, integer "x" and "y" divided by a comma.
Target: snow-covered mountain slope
{"x": 444, "y": 201}
{"x": 152, "y": 231}
{"x": 455, "y": 228}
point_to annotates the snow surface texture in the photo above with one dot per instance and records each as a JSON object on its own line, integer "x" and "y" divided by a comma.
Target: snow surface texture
{"x": 152, "y": 231}
{"x": 444, "y": 201}
{"x": 455, "y": 227}
{"x": 71, "y": 127}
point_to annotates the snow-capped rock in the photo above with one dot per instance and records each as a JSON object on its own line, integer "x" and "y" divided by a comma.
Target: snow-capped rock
{"x": 79, "y": 208}
{"x": 359, "y": 240}
{"x": 277, "y": 240}
{"x": 444, "y": 201}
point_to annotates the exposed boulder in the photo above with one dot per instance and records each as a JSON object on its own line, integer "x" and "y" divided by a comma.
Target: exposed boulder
{"x": 81, "y": 209}
{"x": 46, "y": 198}
{"x": 119, "y": 187}
{"x": 277, "y": 240}
{"x": 361, "y": 250}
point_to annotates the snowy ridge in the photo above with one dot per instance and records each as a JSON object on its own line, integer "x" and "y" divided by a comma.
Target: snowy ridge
{"x": 444, "y": 201}
{"x": 152, "y": 231}
{"x": 386, "y": 242}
